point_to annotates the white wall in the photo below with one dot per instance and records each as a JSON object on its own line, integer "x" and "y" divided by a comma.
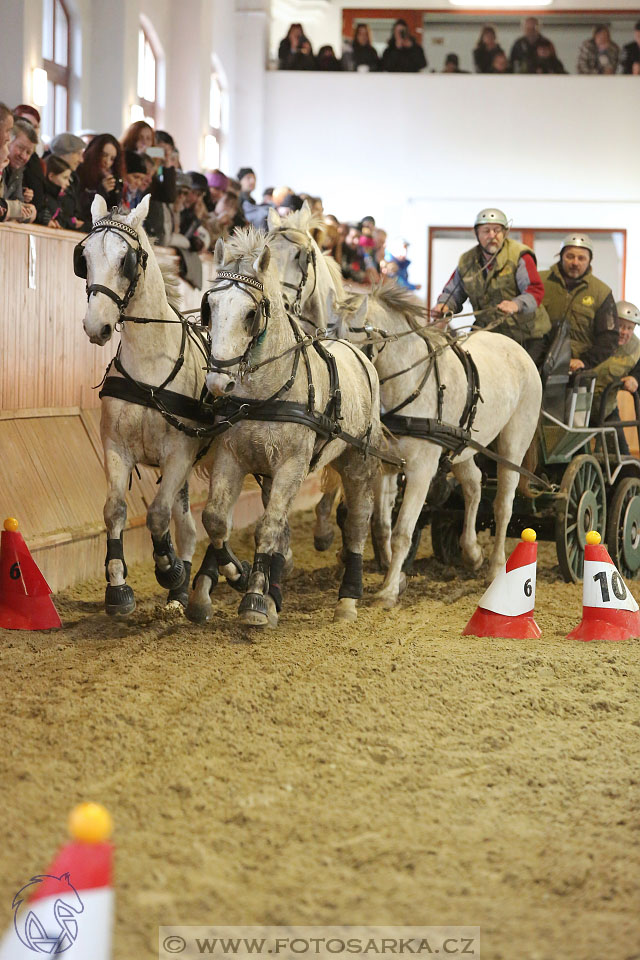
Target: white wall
{"x": 421, "y": 150}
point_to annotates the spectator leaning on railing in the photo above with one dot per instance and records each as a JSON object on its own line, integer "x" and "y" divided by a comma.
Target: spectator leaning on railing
{"x": 361, "y": 54}
{"x": 70, "y": 149}
{"x": 485, "y": 50}
{"x": 600, "y": 54}
{"x": 523, "y": 52}
{"x": 101, "y": 172}
{"x": 6, "y": 122}
{"x": 546, "y": 60}
{"x": 58, "y": 207}
{"x": 21, "y": 146}
{"x": 631, "y": 53}
{"x": 33, "y": 175}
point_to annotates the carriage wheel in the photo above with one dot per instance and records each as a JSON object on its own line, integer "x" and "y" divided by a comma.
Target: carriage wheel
{"x": 446, "y": 530}
{"x": 623, "y": 528}
{"x": 582, "y": 506}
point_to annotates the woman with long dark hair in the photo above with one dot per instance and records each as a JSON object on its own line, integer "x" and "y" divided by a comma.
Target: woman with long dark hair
{"x": 485, "y": 50}
{"x": 138, "y": 137}
{"x": 101, "y": 171}
{"x": 363, "y": 55}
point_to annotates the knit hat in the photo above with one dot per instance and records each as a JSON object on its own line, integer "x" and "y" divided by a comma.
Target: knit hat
{"x": 66, "y": 143}
{"x": 243, "y": 171}
{"x": 217, "y": 180}
{"x": 134, "y": 162}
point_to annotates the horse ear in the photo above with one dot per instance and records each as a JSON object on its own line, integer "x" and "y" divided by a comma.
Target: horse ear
{"x": 141, "y": 212}
{"x": 306, "y": 209}
{"x": 98, "y": 208}
{"x": 218, "y": 253}
{"x": 273, "y": 219}
{"x": 360, "y": 315}
{"x": 262, "y": 262}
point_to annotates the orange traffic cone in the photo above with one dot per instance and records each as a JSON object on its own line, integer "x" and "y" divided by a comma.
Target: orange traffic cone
{"x": 70, "y": 908}
{"x": 25, "y": 596}
{"x": 609, "y": 611}
{"x": 506, "y": 608}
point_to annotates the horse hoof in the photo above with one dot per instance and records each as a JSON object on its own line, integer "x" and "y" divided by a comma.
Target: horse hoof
{"x": 242, "y": 582}
{"x": 180, "y": 595}
{"x": 119, "y": 601}
{"x": 324, "y": 542}
{"x": 174, "y": 606}
{"x": 199, "y": 612}
{"x": 385, "y": 600}
{"x": 174, "y": 576}
{"x": 345, "y": 610}
{"x": 256, "y": 610}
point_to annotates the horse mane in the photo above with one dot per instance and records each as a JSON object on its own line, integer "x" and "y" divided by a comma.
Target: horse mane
{"x": 302, "y": 221}
{"x": 395, "y": 297}
{"x": 245, "y": 243}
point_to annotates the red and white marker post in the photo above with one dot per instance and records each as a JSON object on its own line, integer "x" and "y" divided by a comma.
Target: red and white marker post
{"x": 506, "y": 608}
{"x": 609, "y": 611}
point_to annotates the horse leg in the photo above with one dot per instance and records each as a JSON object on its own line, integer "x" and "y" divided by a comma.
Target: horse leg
{"x": 384, "y": 494}
{"x": 513, "y": 443}
{"x": 469, "y": 476}
{"x": 418, "y": 477}
{"x": 224, "y": 489}
{"x": 358, "y": 495}
{"x": 186, "y": 537}
{"x": 119, "y": 598}
{"x": 322, "y": 528}
{"x": 262, "y": 602}
{"x": 288, "y": 552}
{"x": 170, "y": 570}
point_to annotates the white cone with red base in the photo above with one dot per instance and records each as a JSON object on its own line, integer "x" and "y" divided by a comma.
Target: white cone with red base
{"x": 506, "y": 608}
{"x": 609, "y": 611}
{"x": 69, "y": 910}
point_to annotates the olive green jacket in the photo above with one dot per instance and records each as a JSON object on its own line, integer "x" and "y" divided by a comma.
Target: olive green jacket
{"x": 617, "y": 366}
{"x": 498, "y": 285}
{"x": 590, "y": 308}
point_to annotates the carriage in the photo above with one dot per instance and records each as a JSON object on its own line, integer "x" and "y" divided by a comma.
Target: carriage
{"x": 586, "y": 483}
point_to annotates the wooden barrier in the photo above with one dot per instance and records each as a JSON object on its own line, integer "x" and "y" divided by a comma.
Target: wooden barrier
{"x": 51, "y": 474}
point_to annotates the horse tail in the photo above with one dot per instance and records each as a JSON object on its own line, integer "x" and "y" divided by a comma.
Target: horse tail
{"x": 529, "y": 462}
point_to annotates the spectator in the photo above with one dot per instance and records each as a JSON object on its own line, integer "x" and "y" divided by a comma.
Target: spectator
{"x": 33, "y": 175}
{"x": 70, "y": 149}
{"x": 599, "y": 55}
{"x": 135, "y": 175}
{"x": 380, "y": 237}
{"x": 403, "y": 54}
{"x": 228, "y": 212}
{"x": 631, "y": 52}
{"x": 546, "y": 60}
{"x": 485, "y": 50}
{"x": 353, "y": 266}
{"x": 218, "y": 184}
{"x": 267, "y": 195}
{"x": 6, "y": 122}
{"x": 279, "y": 194}
{"x": 101, "y": 172}
{"x": 21, "y": 146}
{"x": 402, "y": 263}
{"x": 330, "y": 241}
{"x": 452, "y": 64}
{"x": 138, "y": 137}
{"x": 4, "y": 162}
{"x": 166, "y": 141}
{"x": 58, "y": 208}
{"x": 523, "y": 52}
{"x": 303, "y": 58}
{"x": 499, "y": 63}
{"x": 361, "y": 54}
{"x": 195, "y": 211}
{"x": 247, "y": 179}
{"x": 289, "y": 45}
{"x": 327, "y": 60}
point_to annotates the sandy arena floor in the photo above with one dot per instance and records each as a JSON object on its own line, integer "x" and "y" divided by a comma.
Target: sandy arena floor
{"x": 386, "y": 772}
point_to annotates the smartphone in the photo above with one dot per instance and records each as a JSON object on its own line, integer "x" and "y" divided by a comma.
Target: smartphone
{"x": 155, "y": 153}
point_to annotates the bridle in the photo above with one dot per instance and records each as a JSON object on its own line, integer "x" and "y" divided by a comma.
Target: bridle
{"x": 246, "y": 284}
{"x": 304, "y": 255}
{"x": 135, "y": 263}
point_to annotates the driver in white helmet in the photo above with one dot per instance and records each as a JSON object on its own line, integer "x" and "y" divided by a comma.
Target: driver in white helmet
{"x": 573, "y": 293}
{"x": 623, "y": 365}
{"x": 500, "y": 278}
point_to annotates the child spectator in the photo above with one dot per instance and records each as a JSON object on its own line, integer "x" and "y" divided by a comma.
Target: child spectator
{"x": 499, "y": 63}
{"x": 452, "y": 64}
{"x": 599, "y": 55}
{"x": 58, "y": 209}
{"x": 485, "y": 50}
{"x": 523, "y": 52}
{"x": 546, "y": 60}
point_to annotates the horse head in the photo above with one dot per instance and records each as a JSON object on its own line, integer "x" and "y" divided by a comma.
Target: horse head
{"x": 111, "y": 259}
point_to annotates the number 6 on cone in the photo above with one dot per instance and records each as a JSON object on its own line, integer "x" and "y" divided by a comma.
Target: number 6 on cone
{"x": 506, "y": 608}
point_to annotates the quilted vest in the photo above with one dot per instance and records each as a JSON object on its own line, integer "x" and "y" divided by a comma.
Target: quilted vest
{"x": 498, "y": 285}
{"x": 615, "y": 367}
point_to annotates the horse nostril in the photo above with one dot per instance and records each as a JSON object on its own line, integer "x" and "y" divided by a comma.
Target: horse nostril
{"x": 231, "y": 385}
{"x": 106, "y": 331}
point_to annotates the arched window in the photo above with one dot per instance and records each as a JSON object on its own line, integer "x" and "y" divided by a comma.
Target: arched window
{"x": 147, "y": 78}
{"x": 56, "y": 57}
{"x": 213, "y": 140}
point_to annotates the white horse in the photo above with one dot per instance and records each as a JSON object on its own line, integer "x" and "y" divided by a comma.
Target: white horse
{"x": 511, "y": 395}
{"x": 260, "y": 355}
{"x": 126, "y": 289}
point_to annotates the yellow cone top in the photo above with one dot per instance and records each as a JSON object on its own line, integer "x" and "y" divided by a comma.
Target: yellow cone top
{"x": 593, "y": 538}
{"x": 528, "y": 535}
{"x": 11, "y": 524}
{"x": 90, "y": 823}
